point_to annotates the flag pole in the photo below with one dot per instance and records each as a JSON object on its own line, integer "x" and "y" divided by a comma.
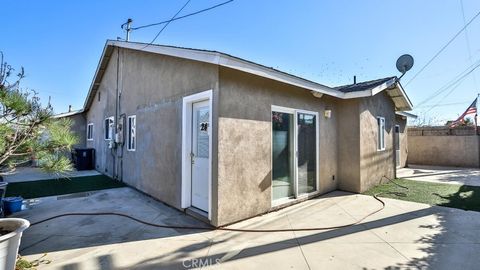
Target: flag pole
{"x": 476, "y": 116}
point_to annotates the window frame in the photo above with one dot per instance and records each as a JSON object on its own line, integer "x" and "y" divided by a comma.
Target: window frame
{"x": 108, "y": 136}
{"x": 381, "y": 130}
{"x": 129, "y": 133}
{"x": 91, "y": 133}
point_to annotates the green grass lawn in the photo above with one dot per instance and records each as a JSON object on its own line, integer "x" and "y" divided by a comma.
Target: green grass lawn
{"x": 51, "y": 187}
{"x": 449, "y": 195}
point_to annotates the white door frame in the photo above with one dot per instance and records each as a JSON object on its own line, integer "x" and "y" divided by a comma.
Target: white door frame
{"x": 186, "y": 148}
{"x": 397, "y": 143}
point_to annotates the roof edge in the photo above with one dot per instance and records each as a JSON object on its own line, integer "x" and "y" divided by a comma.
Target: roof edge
{"x": 229, "y": 61}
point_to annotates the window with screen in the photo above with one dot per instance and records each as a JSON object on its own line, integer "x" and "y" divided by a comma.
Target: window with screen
{"x": 90, "y": 132}
{"x": 109, "y": 125}
{"x": 132, "y": 139}
{"x": 381, "y": 134}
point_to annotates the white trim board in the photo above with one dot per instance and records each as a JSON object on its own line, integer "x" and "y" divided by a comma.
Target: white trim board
{"x": 187, "y": 129}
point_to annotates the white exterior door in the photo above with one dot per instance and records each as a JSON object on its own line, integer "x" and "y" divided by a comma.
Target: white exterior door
{"x": 200, "y": 154}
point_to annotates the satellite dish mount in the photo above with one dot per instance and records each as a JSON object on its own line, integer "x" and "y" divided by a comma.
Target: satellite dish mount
{"x": 404, "y": 64}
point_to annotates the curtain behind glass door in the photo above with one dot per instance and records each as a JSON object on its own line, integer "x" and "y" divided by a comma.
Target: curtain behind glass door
{"x": 282, "y": 155}
{"x": 307, "y": 153}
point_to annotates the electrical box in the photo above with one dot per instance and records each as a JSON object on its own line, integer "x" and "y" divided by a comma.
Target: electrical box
{"x": 119, "y": 138}
{"x": 119, "y": 135}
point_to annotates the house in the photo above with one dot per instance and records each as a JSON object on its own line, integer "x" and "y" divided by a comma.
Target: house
{"x": 227, "y": 139}
{"x": 78, "y": 124}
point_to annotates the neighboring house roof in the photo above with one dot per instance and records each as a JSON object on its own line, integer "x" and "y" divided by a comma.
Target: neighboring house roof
{"x": 217, "y": 58}
{"x": 65, "y": 114}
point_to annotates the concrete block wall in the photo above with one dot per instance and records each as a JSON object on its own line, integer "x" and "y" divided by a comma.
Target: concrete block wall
{"x": 438, "y": 146}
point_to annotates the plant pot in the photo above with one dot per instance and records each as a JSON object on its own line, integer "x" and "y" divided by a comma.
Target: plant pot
{"x": 10, "y": 242}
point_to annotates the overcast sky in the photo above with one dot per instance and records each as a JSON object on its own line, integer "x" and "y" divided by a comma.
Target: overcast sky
{"x": 60, "y": 42}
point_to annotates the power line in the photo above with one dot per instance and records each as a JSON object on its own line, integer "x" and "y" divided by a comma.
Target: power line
{"x": 182, "y": 17}
{"x": 443, "y": 104}
{"x": 443, "y": 48}
{"x": 457, "y": 82}
{"x": 165, "y": 26}
{"x": 449, "y": 84}
{"x": 468, "y": 42}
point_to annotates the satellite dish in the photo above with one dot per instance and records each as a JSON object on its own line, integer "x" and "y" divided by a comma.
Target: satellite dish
{"x": 404, "y": 63}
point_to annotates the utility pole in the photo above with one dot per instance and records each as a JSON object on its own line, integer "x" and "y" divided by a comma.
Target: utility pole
{"x": 127, "y": 27}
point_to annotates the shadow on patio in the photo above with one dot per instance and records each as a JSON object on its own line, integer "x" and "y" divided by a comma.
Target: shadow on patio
{"x": 403, "y": 235}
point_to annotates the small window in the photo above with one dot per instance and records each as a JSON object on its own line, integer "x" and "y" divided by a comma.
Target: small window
{"x": 90, "y": 132}
{"x": 381, "y": 134}
{"x": 109, "y": 122}
{"x": 132, "y": 136}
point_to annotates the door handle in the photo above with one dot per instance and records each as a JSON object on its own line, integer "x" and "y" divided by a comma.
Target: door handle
{"x": 192, "y": 157}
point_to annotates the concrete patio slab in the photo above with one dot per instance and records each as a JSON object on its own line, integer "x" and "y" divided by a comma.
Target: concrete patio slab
{"x": 25, "y": 174}
{"x": 403, "y": 235}
{"x": 448, "y": 175}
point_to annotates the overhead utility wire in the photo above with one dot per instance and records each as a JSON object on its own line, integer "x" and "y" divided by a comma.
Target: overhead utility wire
{"x": 165, "y": 26}
{"x": 182, "y": 17}
{"x": 448, "y": 84}
{"x": 468, "y": 42}
{"x": 443, "y": 48}
{"x": 457, "y": 82}
{"x": 443, "y": 104}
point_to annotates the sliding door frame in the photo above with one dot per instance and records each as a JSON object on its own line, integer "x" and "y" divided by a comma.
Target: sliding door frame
{"x": 295, "y": 113}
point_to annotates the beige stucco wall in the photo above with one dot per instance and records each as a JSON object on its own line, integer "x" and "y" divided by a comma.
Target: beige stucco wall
{"x": 348, "y": 145}
{"x": 152, "y": 88}
{"x": 375, "y": 164}
{"x": 458, "y": 151}
{"x": 244, "y": 156}
{"x": 360, "y": 165}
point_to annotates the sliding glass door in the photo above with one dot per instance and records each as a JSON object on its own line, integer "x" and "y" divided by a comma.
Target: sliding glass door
{"x": 294, "y": 153}
{"x": 283, "y": 153}
{"x": 307, "y": 153}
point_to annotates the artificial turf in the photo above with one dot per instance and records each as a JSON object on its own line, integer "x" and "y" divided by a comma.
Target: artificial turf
{"x": 61, "y": 186}
{"x": 449, "y": 195}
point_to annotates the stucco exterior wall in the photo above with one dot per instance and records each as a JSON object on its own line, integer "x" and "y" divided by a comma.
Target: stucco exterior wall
{"x": 348, "y": 145}
{"x": 455, "y": 151}
{"x": 245, "y": 138}
{"x": 374, "y": 163}
{"x": 150, "y": 87}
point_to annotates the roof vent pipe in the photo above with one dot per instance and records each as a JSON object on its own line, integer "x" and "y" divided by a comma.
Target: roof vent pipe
{"x": 69, "y": 108}
{"x": 354, "y": 79}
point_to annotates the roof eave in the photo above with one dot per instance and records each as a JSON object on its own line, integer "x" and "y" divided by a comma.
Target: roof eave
{"x": 94, "y": 85}
{"x": 388, "y": 85}
{"x": 408, "y": 115}
{"x": 229, "y": 61}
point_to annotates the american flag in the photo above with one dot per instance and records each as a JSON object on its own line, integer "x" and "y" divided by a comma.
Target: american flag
{"x": 472, "y": 109}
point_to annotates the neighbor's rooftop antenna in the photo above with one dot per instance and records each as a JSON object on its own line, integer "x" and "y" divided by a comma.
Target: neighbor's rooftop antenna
{"x": 404, "y": 64}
